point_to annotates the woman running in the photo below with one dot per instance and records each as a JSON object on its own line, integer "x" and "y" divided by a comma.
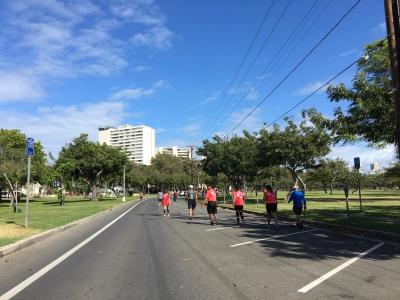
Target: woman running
{"x": 271, "y": 205}
{"x": 165, "y": 202}
{"x": 238, "y": 202}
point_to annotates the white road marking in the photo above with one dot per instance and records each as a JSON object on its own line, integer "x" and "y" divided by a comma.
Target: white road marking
{"x": 337, "y": 269}
{"x": 270, "y": 238}
{"x": 220, "y": 228}
{"x": 27, "y": 282}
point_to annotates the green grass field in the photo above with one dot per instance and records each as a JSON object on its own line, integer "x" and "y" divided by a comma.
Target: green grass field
{"x": 46, "y": 213}
{"x": 381, "y": 210}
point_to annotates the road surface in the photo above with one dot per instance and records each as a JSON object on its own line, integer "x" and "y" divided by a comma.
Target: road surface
{"x": 143, "y": 255}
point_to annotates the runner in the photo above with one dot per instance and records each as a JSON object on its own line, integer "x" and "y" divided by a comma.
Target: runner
{"x": 141, "y": 196}
{"x": 191, "y": 201}
{"x": 299, "y": 202}
{"x": 211, "y": 198}
{"x": 271, "y": 204}
{"x": 160, "y": 197}
{"x": 175, "y": 196}
{"x": 238, "y": 202}
{"x": 165, "y": 202}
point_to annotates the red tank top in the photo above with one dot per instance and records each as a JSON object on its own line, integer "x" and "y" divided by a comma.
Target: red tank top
{"x": 238, "y": 198}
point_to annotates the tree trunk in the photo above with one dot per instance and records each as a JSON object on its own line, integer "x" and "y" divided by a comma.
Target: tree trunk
{"x": 94, "y": 192}
{"x": 325, "y": 189}
{"x": 13, "y": 196}
{"x": 331, "y": 188}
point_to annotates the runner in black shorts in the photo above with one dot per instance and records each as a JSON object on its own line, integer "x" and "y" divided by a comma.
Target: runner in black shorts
{"x": 211, "y": 198}
{"x": 191, "y": 201}
{"x": 271, "y": 205}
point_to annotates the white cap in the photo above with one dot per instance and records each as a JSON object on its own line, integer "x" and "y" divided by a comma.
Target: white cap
{"x": 190, "y": 186}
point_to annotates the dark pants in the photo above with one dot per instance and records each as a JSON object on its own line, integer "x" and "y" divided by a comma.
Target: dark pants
{"x": 239, "y": 212}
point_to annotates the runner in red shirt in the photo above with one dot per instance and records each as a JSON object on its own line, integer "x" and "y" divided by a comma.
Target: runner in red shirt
{"x": 238, "y": 202}
{"x": 271, "y": 204}
{"x": 166, "y": 202}
{"x": 211, "y": 198}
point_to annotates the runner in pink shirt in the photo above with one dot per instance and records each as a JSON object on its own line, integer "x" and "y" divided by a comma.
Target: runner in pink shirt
{"x": 211, "y": 198}
{"x": 165, "y": 202}
{"x": 271, "y": 205}
{"x": 238, "y": 202}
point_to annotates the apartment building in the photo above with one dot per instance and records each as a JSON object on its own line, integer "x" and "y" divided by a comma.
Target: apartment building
{"x": 176, "y": 151}
{"x": 137, "y": 141}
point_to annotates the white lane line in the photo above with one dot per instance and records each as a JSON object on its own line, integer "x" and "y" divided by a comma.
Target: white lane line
{"x": 27, "y": 282}
{"x": 220, "y": 228}
{"x": 269, "y": 238}
{"x": 337, "y": 269}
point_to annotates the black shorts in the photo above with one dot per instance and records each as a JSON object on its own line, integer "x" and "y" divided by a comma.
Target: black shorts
{"x": 271, "y": 208}
{"x": 238, "y": 207}
{"x": 159, "y": 200}
{"x": 297, "y": 210}
{"x": 212, "y": 207}
{"x": 191, "y": 204}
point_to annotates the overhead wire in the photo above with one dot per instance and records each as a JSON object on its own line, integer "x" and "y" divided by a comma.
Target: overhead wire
{"x": 277, "y": 22}
{"x": 298, "y": 28}
{"x": 243, "y": 60}
{"x": 297, "y": 65}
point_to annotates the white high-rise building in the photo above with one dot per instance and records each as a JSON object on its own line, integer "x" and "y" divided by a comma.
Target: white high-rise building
{"x": 176, "y": 151}
{"x": 137, "y": 141}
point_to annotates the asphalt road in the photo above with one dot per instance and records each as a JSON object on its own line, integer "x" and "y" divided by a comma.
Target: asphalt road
{"x": 144, "y": 255}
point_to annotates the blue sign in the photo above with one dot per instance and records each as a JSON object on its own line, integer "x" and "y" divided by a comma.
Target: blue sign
{"x": 30, "y": 146}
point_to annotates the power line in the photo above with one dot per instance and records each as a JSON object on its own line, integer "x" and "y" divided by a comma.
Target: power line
{"x": 281, "y": 50}
{"x": 320, "y": 88}
{"x": 297, "y": 65}
{"x": 243, "y": 60}
{"x": 257, "y": 55}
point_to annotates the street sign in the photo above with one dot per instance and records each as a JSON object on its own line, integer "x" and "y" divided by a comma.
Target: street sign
{"x": 30, "y": 146}
{"x": 357, "y": 164}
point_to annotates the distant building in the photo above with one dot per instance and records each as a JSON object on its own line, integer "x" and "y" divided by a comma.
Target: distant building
{"x": 375, "y": 168}
{"x": 176, "y": 151}
{"x": 138, "y": 142}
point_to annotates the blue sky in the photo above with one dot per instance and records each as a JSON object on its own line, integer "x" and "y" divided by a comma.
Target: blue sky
{"x": 68, "y": 67}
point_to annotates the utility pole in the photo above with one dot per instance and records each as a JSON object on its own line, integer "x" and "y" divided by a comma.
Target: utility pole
{"x": 191, "y": 151}
{"x": 393, "y": 34}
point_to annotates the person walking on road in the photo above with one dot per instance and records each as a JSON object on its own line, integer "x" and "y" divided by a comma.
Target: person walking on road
{"x": 299, "y": 203}
{"x": 141, "y": 196}
{"x": 175, "y": 196}
{"x": 191, "y": 201}
{"x": 271, "y": 205}
{"x": 160, "y": 197}
{"x": 238, "y": 202}
{"x": 211, "y": 198}
{"x": 166, "y": 203}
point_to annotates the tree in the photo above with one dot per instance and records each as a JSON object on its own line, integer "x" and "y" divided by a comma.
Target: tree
{"x": 236, "y": 158}
{"x": 297, "y": 147}
{"x": 91, "y": 162}
{"x": 13, "y": 161}
{"x": 369, "y": 111}
{"x": 328, "y": 172}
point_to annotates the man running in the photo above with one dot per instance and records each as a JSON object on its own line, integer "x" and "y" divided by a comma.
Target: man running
{"x": 166, "y": 202}
{"x": 238, "y": 202}
{"x": 191, "y": 201}
{"x": 141, "y": 196}
{"x": 160, "y": 197}
{"x": 271, "y": 205}
{"x": 299, "y": 202}
{"x": 211, "y": 198}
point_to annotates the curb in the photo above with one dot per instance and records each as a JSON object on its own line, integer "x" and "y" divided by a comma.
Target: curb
{"x": 24, "y": 243}
{"x": 341, "y": 229}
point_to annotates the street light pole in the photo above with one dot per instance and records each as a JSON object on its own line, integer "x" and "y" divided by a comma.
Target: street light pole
{"x": 123, "y": 197}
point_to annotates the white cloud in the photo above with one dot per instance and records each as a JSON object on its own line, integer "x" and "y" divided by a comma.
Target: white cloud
{"x": 19, "y": 87}
{"x": 367, "y": 155}
{"x": 142, "y": 68}
{"x": 51, "y": 39}
{"x": 54, "y": 126}
{"x": 252, "y": 123}
{"x": 159, "y": 37}
{"x": 212, "y": 98}
{"x": 252, "y": 94}
{"x": 380, "y": 29}
{"x": 136, "y": 93}
{"x": 192, "y": 129}
{"x": 131, "y": 93}
{"x": 350, "y": 52}
{"x": 311, "y": 87}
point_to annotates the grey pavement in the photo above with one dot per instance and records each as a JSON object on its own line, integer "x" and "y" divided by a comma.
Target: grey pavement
{"x": 147, "y": 256}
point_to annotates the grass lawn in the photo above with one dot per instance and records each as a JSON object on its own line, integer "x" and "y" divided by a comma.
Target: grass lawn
{"x": 383, "y": 215}
{"x": 46, "y": 213}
